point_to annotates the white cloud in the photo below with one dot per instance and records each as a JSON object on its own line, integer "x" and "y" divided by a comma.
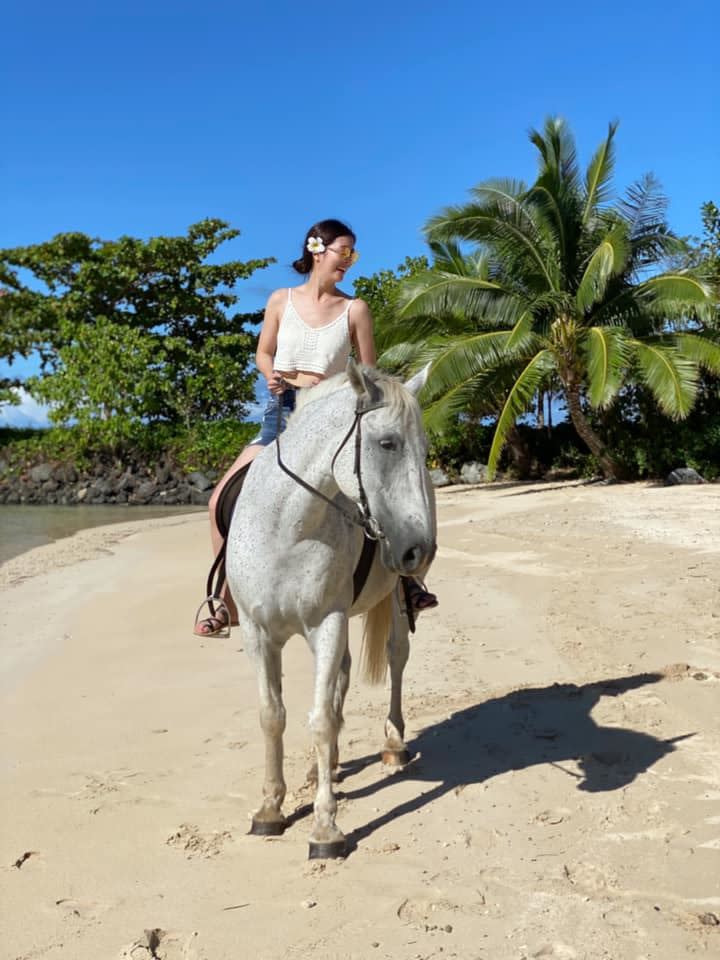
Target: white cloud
{"x": 27, "y": 413}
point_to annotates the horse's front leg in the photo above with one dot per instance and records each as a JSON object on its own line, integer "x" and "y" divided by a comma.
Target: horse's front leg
{"x": 269, "y": 820}
{"x": 341, "y": 689}
{"x": 330, "y": 643}
{"x": 395, "y": 753}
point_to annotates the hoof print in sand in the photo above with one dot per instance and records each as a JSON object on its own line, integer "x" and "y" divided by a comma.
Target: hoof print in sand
{"x": 196, "y": 844}
{"x": 157, "y": 944}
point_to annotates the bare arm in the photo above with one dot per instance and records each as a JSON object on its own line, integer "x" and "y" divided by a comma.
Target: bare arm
{"x": 361, "y": 331}
{"x": 267, "y": 342}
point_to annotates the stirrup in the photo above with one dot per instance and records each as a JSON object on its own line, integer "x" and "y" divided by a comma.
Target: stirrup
{"x": 218, "y": 610}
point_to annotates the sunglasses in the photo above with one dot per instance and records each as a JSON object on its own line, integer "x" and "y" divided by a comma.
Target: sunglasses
{"x": 346, "y": 253}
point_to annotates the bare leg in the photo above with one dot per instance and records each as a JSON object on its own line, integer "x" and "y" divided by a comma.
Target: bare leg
{"x": 330, "y": 642}
{"x": 395, "y": 752}
{"x": 209, "y": 624}
{"x": 269, "y": 819}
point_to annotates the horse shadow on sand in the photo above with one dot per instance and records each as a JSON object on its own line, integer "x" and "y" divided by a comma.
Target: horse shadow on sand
{"x": 518, "y": 730}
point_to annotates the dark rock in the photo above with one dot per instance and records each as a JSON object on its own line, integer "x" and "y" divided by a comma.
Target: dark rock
{"x": 199, "y": 481}
{"x": 143, "y": 493}
{"x": 683, "y": 475}
{"x": 439, "y": 478}
{"x": 41, "y": 473}
{"x": 65, "y": 473}
{"x": 474, "y": 472}
{"x": 200, "y": 497}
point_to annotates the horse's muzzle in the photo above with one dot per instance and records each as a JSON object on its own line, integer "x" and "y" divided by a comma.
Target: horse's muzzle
{"x": 417, "y": 558}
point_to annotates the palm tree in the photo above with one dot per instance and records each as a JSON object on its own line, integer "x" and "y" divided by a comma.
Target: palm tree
{"x": 561, "y": 291}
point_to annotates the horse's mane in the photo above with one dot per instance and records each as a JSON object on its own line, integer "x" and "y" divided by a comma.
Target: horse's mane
{"x": 399, "y": 400}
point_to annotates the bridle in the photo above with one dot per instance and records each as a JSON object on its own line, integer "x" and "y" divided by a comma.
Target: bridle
{"x": 363, "y": 516}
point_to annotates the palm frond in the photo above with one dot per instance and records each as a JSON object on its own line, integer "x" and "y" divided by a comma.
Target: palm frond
{"x": 558, "y": 156}
{"x": 607, "y": 260}
{"x": 509, "y": 230}
{"x": 400, "y": 358}
{"x": 481, "y": 395}
{"x": 644, "y": 207}
{"x": 704, "y": 350}
{"x": 463, "y": 358}
{"x": 678, "y": 294}
{"x": 519, "y": 400}
{"x": 436, "y": 293}
{"x": 671, "y": 378}
{"x": 598, "y": 175}
{"x": 504, "y": 193}
{"x": 607, "y": 354}
{"x": 448, "y": 257}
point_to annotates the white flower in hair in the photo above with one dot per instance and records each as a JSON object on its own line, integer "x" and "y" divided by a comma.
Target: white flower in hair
{"x": 315, "y": 245}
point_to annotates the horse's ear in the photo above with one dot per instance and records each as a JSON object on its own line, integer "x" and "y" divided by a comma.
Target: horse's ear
{"x": 361, "y": 383}
{"x": 417, "y": 382}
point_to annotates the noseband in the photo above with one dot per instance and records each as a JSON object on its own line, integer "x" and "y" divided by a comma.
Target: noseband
{"x": 363, "y": 518}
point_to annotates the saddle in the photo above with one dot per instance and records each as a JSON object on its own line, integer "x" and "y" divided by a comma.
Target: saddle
{"x": 223, "y": 515}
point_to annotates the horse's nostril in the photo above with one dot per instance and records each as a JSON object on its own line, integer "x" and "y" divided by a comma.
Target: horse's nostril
{"x": 412, "y": 557}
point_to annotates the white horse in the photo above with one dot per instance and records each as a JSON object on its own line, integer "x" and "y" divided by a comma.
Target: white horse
{"x": 355, "y": 453}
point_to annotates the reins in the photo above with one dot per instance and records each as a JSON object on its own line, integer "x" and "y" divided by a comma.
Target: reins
{"x": 363, "y": 518}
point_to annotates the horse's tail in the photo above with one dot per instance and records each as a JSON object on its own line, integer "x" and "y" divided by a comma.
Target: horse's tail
{"x": 376, "y": 634}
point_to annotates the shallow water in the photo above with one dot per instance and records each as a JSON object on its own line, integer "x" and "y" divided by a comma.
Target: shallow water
{"x": 22, "y": 528}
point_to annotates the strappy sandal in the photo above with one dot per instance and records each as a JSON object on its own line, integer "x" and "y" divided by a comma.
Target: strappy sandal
{"x": 420, "y": 598}
{"x": 218, "y": 621}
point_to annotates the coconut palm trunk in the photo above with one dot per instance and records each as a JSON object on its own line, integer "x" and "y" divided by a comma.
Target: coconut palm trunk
{"x": 611, "y": 468}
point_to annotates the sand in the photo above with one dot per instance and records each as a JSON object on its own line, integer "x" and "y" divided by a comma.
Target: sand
{"x": 562, "y": 707}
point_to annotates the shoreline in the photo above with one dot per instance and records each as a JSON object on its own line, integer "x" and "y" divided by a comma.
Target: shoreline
{"x": 23, "y": 528}
{"x": 644, "y": 519}
{"x": 85, "y": 544}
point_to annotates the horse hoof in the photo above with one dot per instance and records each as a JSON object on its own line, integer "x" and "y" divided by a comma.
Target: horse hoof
{"x": 268, "y": 828}
{"x": 395, "y": 758}
{"x": 326, "y": 851}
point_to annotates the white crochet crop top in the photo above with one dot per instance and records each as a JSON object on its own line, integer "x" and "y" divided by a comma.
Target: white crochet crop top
{"x": 324, "y": 350}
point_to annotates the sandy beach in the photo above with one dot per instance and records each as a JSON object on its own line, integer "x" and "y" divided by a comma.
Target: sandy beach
{"x": 562, "y": 705}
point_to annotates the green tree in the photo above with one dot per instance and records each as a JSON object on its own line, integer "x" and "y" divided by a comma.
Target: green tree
{"x": 381, "y": 291}
{"x": 704, "y": 253}
{"x": 149, "y": 322}
{"x": 562, "y": 289}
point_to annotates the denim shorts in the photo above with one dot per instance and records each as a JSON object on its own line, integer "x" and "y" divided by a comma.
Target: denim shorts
{"x": 269, "y": 423}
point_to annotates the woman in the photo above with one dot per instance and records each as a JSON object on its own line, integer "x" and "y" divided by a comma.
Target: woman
{"x": 307, "y": 335}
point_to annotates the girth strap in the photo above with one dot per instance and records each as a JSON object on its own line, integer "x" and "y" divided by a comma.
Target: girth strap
{"x": 363, "y": 566}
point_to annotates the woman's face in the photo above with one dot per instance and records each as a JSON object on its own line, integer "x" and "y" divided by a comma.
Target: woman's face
{"x": 338, "y": 257}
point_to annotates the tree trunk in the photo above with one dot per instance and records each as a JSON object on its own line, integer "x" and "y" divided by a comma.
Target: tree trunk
{"x": 549, "y": 412}
{"x": 519, "y": 453}
{"x": 540, "y": 409}
{"x": 610, "y": 467}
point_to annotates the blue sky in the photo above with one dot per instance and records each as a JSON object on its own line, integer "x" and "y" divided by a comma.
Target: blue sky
{"x": 141, "y": 118}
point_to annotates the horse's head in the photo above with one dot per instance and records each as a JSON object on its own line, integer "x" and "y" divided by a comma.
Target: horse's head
{"x": 389, "y": 471}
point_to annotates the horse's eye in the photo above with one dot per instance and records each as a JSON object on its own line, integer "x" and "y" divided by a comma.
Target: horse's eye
{"x": 387, "y": 443}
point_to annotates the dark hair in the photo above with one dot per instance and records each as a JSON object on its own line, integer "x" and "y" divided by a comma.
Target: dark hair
{"x": 328, "y": 231}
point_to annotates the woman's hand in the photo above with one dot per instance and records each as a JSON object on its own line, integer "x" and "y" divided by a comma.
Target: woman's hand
{"x": 276, "y": 384}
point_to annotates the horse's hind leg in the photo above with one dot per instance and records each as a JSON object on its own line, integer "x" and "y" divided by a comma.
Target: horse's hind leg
{"x": 395, "y": 753}
{"x": 269, "y": 820}
{"x": 330, "y": 643}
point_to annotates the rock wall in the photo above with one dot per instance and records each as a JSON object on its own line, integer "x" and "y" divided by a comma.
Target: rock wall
{"x": 132, "y": 483}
